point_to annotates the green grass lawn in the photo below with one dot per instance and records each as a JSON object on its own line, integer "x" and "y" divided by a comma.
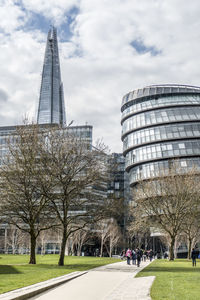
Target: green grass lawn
{"x": 175, "y": 280}
{"x": 15, "y": 272}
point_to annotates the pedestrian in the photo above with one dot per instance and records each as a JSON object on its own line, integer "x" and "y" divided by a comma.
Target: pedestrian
{"x": 151, "y": 255}
{"x": 141, "y": 254}
{"x": 194, "y": 256}
{"x": 165, "y": 255}
{"x": 128, "y": 256}
{"x": 138, "y": 257}
{"x": 145, "y": 255}
{"x": 133, "y": 257}
{"x": 122, "y": 255}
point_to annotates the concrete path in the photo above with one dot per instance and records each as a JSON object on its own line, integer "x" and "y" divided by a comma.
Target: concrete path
{"x": 112, "y": 282}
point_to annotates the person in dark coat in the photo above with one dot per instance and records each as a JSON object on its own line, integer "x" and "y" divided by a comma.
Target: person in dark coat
{"x": 133, "y": 257}
{"x": 151, "y": 255}
{"x": 145, "y": 255}
{"x": 138, "y": 256}
{"x": 194, "y": 256}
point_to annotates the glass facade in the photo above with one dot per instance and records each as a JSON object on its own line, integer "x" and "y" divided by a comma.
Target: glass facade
{"x": 83, "y": 132}
{"x": 116, "y": 184}
{"x": 51, "y": 103}
{"x": 153, "y": 169}
{"x": 159, "y": 124}
{"x": 168, "y": 115}
{"x": 147, "y": 104}
{"x": 9, "y": 133}
{"x": 161, "y": 133}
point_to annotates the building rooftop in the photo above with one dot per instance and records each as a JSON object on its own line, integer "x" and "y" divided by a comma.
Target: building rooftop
{"x": 159, "y": 90}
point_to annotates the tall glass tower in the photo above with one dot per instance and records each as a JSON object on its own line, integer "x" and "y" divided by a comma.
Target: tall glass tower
{"x": 51, "y": 109}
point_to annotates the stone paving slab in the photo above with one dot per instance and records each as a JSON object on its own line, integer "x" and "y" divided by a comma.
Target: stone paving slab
{"x": 35, "y": 289}
{"x": 94, "y": 285}
{"x": 132, "y": 289}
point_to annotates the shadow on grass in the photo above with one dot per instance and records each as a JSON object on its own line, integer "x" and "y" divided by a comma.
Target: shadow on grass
{"x": 8, "y": 270}
{"x": 69, "y": 266}
{"x": 171, "y": 269}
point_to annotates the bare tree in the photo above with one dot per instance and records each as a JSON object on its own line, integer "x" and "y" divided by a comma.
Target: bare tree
{"x": 114, "y": 235}
{"x": 78, "y": 190}
{"x": 191, "y": 230}
{"x": 79, "y": 238}
{"x": 138, "y": 228}
{"x": 22, "y": 184}
{"x": 14, "y": 238}
{"x": 102, "y": 231}
{"x": 167, "y": 201}
{"x": 52, "y": 178}
{"x": 42, "y": 240}
{"x": 52, "y": 236}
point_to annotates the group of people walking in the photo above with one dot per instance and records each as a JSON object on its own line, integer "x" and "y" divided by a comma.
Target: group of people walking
{"x": 136, "y": 256}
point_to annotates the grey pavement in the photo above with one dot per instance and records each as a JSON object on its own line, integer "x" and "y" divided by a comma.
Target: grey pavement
{"x": 111, "y": 282}
{"x": 35, "y": 289}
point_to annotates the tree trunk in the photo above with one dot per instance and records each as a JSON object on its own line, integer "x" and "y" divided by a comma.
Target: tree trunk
{"x": 139, "y": 241}
{"x": 42, "y": 247}
{"x": 33, "y": 245}
{"x": 145, "y": 244}
{"x": 171, "y": 249}
{"x": 5, "y": 241}
{"x": 189, "y": 248}
{"x": 63, "y": 245}
{"x": 175, "y": 247}
{"x": 110, "y": 252}
{"x": 101, "y": 250}
{"x": 79, "y": 250}
{"x": 67, "y": 248}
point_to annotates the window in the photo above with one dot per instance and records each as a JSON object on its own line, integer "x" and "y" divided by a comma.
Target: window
{"x": 181, "y": 146}
{"x": 183, "y": 163}
{"x": 116, "y": 185}
{"x": 169, "y": 147}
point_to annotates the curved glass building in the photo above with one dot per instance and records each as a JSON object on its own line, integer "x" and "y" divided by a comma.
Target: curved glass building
{"x": 160, "y": 123}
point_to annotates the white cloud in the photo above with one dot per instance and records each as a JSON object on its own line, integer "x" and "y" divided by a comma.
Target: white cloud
{"x": 51, "y": 9}
{"x": 20, "y": 60}
{"x": 98, "y": 64}
{"x": 110, "y": 67}
{"x": 11, "y": 16}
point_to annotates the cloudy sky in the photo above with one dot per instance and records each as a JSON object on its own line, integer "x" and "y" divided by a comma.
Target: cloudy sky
{"x": 107, "y": 48}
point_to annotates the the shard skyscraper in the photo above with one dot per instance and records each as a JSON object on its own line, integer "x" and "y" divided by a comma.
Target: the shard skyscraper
{"x": 51, "y": 109}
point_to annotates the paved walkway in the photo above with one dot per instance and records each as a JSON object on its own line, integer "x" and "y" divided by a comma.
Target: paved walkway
{"x": 112, "y": 282}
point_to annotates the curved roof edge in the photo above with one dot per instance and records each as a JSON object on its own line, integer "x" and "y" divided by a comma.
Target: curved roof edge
{"x": 156, "y": 89}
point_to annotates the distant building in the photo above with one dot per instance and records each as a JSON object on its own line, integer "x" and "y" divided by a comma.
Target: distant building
{"x": 115, "y": 189}
{"x": 116, "y": 183}
{"x": 51, "y": 107}
{"x": 160, "y": 123}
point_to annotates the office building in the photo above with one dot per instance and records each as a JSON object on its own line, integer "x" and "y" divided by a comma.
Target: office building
{"x": 160, "y": 124}
{"x": 116, "y": 183}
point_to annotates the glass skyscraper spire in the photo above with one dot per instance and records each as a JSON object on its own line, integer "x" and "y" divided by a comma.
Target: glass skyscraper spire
{"x": 51, "y": 108}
